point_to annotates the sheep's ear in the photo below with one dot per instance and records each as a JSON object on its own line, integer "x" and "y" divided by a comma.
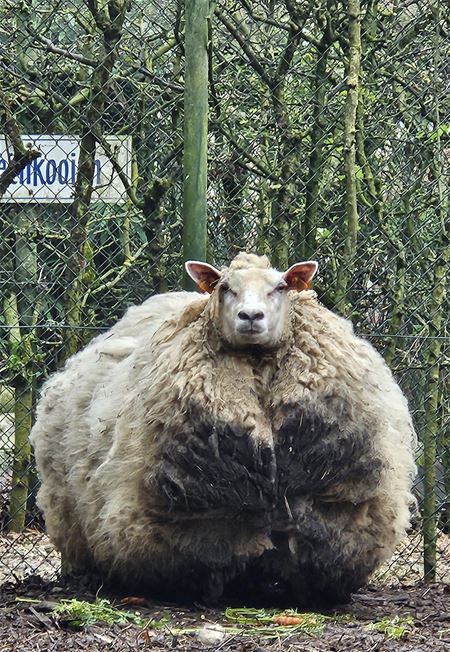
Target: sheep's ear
{"x": 206, "y": 276}
{"x": 299, "y": 276}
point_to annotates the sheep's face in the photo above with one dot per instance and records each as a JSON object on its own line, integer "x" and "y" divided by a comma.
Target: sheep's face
{"x": 253, "y": 307}
{"x": 253, "y": 301}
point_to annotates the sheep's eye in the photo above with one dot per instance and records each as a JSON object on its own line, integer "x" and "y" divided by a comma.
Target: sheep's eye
{"x": 225, "y": 289}
{"x": 281, "y": 287}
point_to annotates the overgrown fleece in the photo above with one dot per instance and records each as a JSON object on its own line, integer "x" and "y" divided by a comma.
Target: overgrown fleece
{"x": 169, "y": 459}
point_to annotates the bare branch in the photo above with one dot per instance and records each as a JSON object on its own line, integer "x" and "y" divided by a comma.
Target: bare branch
{"x": 131, "y": 193}
{"x": 260, "y": 168}
{"x": 51, "y": 47}
{"x": 160, "y": 82}
{"x": 286, "y": 58}
{"x": 22, "y": 155}
{"x": 247, "y": 49}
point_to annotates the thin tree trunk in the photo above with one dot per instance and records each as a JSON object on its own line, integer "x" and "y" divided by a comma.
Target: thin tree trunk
{"x": 18, "y": 496}
{"x": 109, "y": 20}
{"x": 316, "y": 162}
{"x": 445, "y": 425}
{"x": 22, "y": 156}
{"x": 21, "y": 355}
{"x": 283, "y": 207}
{"x": 397, "y": 281}
{"x": 281, "y": 230}
{"x": 432, "y": 420}
{"x": 264, "y": 218}
{"x": 21, "y": 310}
{"x": 350, "y": 110}
{"x": 195, "y": 132}
{"x": 233, "y": 181}
{"x": 435, "y": 317}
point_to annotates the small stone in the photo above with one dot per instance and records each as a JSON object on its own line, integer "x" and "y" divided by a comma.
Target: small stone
{"x": 211, "y": 634}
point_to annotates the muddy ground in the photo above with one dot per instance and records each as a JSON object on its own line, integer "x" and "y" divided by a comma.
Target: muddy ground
{"x": 28, "y": 623}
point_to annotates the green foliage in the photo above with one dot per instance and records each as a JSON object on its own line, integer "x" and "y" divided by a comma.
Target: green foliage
{"x": 80, "y": 613}
{"x": 396, "y": 627}
{"x": 23, "y": 354}
{"x": 272, "y": 622}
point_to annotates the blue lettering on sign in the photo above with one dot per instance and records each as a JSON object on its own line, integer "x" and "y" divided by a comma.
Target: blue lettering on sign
{"x": 3, "y": 166}
{"x": 47, "y": 172}
{"x": 97, "y": 172}
{"x": 37, "y": 171}
{"x": 73, "y": 167}
{"x": 50, "y": 174}
{"x": 25, "y": 174}
{"x": 63, "y": 172}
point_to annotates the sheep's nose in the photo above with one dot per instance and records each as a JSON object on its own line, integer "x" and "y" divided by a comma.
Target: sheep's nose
{"x": 250, "y": 315}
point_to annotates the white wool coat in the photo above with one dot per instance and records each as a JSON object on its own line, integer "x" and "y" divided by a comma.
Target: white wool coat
{"x": 163, "y": 454}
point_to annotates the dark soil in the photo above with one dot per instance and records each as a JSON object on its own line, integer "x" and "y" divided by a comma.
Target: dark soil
{"x": 32, "y": 626}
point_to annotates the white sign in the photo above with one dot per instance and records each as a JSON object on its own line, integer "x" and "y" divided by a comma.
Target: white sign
{"x": 51, "y": 177}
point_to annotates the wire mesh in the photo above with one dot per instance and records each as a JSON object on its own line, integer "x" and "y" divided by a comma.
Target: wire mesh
{"x": 282, "y": 134}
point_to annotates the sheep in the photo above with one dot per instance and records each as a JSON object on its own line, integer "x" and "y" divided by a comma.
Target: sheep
{"x": 241, "y": 437}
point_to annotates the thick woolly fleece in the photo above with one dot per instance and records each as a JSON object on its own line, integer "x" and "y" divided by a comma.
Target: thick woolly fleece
{"x": 169, "y": 460}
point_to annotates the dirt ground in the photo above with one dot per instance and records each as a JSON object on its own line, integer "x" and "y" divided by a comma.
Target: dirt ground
{"x": 29, "y": 594}
{"x": 28, "y": 623}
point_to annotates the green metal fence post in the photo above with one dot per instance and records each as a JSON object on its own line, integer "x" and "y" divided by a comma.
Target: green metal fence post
{"x": 195, "y": 131}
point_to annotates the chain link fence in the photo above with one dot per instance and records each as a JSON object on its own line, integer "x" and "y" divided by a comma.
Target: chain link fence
{"x": 328, "y": 138}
